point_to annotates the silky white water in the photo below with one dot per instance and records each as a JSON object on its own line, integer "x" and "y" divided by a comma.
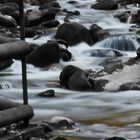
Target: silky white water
{"x": 98, "y": 114}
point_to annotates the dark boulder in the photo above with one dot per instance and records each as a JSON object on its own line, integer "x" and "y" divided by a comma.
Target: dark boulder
{"x": 46, "y": 1}
{"x": 71, "y": 14}
{"x": 115, "y": 138}
{"x": 37, "y": 17}
{"x": 105, "y": 5}
{"x": 75, "y": 78}
{"x": 73, "y": 33}
{"x": 130, "y": 86}
{"x": 73, "y": 2}
{"x": 138, "y": 52}
{"x": 45, "y": 55}
{"x": 48, "y": 5}
{"x": 30, "y": 32}
{"x": 47, "y": 93}
{"x": 5, "y": 64}
{"x": 7, "y": 21}
{"x": 126, "y": 2}
{"x": 97, "y": 33}
{"x": 5, "y": 1}
{"x": 50, "y": 24}
{"x": 79, "y": 81}
{"x": 123, "y": 17}
{"x": 11, "y": 9}
{"x": 136, "y": 17}
{"x": 67, "y": 72}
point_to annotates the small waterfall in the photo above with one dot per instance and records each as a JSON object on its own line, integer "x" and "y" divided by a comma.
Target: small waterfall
{"x": 122, "y": 42}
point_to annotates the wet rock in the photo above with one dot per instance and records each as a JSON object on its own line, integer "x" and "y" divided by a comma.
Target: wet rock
{"x": 47, "y": 5}
{"x": 47, "y": 93}
{"x": 138, "y": 52}
{"x": 115, "y": 138}
{"x": 7, "y": 21}
{"x": 46, "y": 1}
{"x": 50, "y": 24}
{"x": 73, "y": 33}
{"x": 5, "y": 1}
{"x": 59, "y": 122}
{"x": 126, "y": 2}
{"x": 65, "y": 55}
{"x": 75, "y": 79}
{"x": 105, "y": 5}
{"x": 37, "y": 17}
{"x": 11, "y": 9}
{"x": 45, "y": 55}
{"x": 5, "y": 64}
{"x": 104, "y": 53}
{"x": 123, "y": 17}
{"x": 67, "y": 72}
{"x": 121, "y": 77}
{"x": 136, "y": 17}
{"x": 30, "y": 32}
{"x": 71, "y": 14}
{"x": 5, "y": 39}
{"x": 97, "y": 33}
{"x": 73, "y": 2}
{"x": 130, "y": 86}
{"x": 99, "y": 84}
{"x": 111, "y": 65}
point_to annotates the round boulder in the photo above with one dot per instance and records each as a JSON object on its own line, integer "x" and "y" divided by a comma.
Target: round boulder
{"x": 75, "y": 78}
{"x": 105, "y": 5}
{"x": 45, "y": 55}
{"x": 73, "y": 33}
{"x": 97, "y": 33}
{"x": 7, "y": 21}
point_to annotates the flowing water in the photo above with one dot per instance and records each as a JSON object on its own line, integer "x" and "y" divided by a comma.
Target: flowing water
{"x": 98, "y": 114}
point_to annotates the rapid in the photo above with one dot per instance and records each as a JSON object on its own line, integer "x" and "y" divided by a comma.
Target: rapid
{"x": 97, "y": 114}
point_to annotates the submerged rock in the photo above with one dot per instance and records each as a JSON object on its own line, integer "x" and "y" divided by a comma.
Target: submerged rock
{"x": 105, "y": 5}
{"x": 47, "y": 93}
{"x": 59, "y": 122}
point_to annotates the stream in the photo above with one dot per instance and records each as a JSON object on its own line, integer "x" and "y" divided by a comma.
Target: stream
{"x": 97, "y": 114}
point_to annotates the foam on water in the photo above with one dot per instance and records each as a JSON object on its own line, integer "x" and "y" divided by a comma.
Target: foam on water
{"x": 81, "y": 106}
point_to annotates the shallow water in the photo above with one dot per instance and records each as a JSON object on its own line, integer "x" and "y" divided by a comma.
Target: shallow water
{"x": 98, "y": 114}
